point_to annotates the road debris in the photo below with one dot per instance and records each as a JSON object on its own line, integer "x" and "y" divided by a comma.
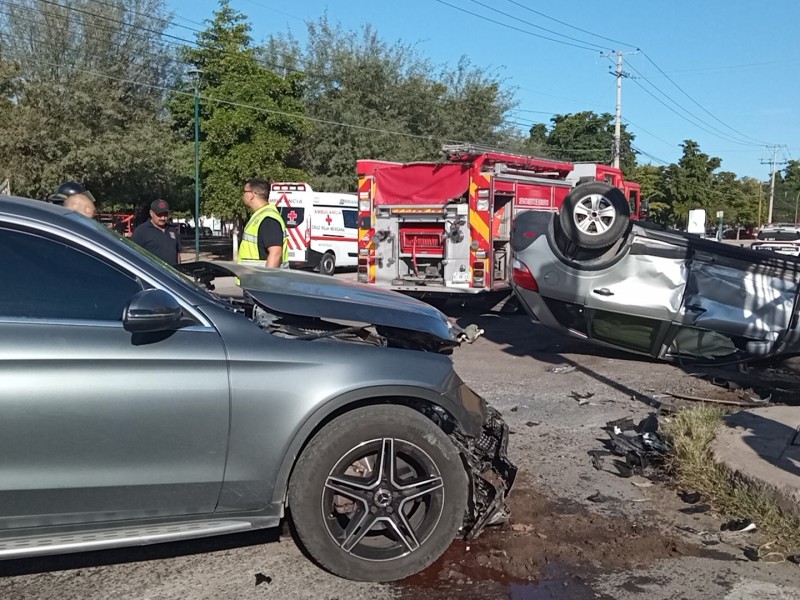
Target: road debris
{"x": 640, "y": 444}
{"x": 738, "y": 526}
{"x": 562, "y": 369}
{"x": 582, "y": 399}
{"x": 742, "y": 403}
{"x": 261, "y": 578}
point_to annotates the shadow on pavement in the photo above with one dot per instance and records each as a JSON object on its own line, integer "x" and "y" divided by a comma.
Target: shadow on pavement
{"x": 769, "y": 439}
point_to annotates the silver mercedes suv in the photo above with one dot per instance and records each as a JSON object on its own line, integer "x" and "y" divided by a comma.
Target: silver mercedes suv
{"x": 139, "y": 407}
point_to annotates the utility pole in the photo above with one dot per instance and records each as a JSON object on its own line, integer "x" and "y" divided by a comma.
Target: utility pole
{"x": 619, "y": 74}
{"x": 773, "y": 162}
{"x": 196, "y": 73}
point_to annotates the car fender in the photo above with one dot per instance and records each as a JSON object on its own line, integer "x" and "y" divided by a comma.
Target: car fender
{"x": 469, "y": 415}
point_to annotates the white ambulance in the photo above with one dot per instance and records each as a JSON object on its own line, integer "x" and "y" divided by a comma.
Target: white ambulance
{"x": 322, "y": 227}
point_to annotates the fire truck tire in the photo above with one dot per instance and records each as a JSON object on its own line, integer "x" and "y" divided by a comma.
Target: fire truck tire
{"x": 378, "y": 494}
{"x": 327, "y": 264}
{"x": 594, "y": 215}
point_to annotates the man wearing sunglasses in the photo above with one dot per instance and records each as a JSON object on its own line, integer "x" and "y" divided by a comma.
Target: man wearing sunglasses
{"x": 264, "y": 239}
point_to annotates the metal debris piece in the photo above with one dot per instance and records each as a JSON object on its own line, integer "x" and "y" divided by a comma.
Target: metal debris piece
{"x": 560, "y": 370}
{"x": 581, "y": 398}
{"x": 532, "y": 423}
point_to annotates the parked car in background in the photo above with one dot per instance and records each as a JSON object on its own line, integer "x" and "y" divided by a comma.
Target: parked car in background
{"x": 186, "y": 230}
{"x": 783, "y": 238}
{"x": 656, "y": 292}
{"x": 740, "y": 233}
{"x": 138, "y": 407}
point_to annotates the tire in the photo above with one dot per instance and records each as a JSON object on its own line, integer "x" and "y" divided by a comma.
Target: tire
{"x": 594, "y": 215}
{"x": 386, "y": 522}
{"x": 327, "y": 264}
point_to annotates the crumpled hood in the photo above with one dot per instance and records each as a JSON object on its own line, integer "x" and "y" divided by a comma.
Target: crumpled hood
{"x": 313, "y": 295}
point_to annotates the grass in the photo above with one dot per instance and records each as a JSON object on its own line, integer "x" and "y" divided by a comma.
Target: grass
{"x": 691, "y": 433}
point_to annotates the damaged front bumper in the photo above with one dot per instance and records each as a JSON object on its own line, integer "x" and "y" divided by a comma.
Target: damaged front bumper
{"x": 490, "y": 472}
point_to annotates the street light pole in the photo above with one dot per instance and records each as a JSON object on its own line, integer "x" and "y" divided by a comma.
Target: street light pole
{"x": 196, "y": 74}
{"x": 796, "y": 198}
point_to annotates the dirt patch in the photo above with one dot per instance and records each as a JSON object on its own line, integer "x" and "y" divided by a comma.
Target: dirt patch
{"x": 548, "y": 543}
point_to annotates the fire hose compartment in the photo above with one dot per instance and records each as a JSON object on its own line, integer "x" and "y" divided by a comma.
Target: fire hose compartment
{"x": 422, "y": 240}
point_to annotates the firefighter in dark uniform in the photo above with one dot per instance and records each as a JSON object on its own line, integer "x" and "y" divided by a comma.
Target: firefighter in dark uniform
{"x": 158, "y": 236}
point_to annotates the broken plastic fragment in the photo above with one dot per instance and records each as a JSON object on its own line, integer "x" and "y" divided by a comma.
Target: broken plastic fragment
{"x": 739, "y": 526}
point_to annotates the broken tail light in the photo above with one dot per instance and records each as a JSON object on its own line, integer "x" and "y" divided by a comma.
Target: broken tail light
{"x": 523, "y": 277}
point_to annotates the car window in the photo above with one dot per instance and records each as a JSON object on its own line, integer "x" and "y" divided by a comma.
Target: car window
{"x": 780, "y": 235}
{"x": 350, "y": 219}
{"x": 49, "y": 279}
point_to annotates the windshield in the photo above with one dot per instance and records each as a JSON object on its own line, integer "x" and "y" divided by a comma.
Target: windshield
{"x": 780, "y": 235}
{"x": 169, "y": 269}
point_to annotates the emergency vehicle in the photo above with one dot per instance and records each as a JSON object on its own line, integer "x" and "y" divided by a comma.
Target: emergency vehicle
{"x": 120, "y": 222}
{"x": 322, "y": 227}
{"x": 430, "y": 229}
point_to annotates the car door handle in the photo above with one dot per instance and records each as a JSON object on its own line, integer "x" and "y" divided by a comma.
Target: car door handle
{"x": 603, "y": 292}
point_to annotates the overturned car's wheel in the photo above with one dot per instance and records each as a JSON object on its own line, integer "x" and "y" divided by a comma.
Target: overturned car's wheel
{"x": 378, "y": 494}
{"x": 327, "y": 264}
{"x": 594, "y": 215}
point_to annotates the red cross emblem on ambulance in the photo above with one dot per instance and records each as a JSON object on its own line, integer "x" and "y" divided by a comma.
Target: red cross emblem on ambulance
{"x": 292, "y": 215}
{"x": 328, "y": 220}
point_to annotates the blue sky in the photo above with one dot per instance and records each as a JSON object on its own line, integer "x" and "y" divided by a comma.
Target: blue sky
{"x": 725, "y": 74}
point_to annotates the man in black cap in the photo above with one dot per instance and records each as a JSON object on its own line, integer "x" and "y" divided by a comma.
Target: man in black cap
{"x": 158, "y": 236}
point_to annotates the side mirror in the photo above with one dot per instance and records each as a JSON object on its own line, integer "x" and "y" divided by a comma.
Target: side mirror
{"x": 152, "y": 310}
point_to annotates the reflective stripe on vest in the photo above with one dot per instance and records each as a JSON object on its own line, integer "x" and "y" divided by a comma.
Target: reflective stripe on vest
{"x": 248, "y": 249}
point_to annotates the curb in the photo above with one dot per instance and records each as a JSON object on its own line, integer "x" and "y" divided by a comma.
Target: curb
{"x": 761, "y": 447}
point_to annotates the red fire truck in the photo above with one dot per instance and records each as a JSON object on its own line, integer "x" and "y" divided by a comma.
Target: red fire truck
{"x": 433, "y": 229}
{"x": 120, "y": 222}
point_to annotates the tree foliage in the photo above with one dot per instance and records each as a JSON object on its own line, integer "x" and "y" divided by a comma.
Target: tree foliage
{"x": 583, "y": 136}
{"x": 371, "y": 99}
{"x": 82, "y": 98}
{"x": 250, "y": 120}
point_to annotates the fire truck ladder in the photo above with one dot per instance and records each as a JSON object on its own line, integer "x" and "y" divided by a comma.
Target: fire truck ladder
{"x": 491, "y": 156}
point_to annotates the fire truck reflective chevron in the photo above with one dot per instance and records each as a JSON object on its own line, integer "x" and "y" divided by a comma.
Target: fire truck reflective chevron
{"x": 322, "y": 227}
{"x": 444, "y": 228}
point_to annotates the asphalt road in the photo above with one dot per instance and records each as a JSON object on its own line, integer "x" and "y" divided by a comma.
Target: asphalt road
{"x": 518, "y": 367}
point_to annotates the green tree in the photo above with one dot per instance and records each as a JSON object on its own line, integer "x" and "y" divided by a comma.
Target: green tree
{"x": 689, "y": 184}
{"x": 650, "y": 179}
{"x": 82, "y": 98}
{"x": 251, "y": 119}
{"x": 588, "y": 137}
{"x": 372, "y": 99}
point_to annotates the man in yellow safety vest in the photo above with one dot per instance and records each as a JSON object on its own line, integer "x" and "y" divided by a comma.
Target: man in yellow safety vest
{"x": 264, "y": 240}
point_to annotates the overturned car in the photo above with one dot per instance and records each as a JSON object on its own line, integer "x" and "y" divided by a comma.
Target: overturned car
{"x": 593, "y": 273}
{"x": 140, "y": 407}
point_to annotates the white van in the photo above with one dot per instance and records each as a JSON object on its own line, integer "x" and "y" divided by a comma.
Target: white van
{"x": 322, "y": 227}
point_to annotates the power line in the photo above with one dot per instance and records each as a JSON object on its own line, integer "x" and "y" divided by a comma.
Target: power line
{"x": 179, "y": 44}
{"x": 505, "y": 14}
{"x": 529, "y": 9}
{"x": 544, "y": 37}
{"x": 660, "y": 70}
